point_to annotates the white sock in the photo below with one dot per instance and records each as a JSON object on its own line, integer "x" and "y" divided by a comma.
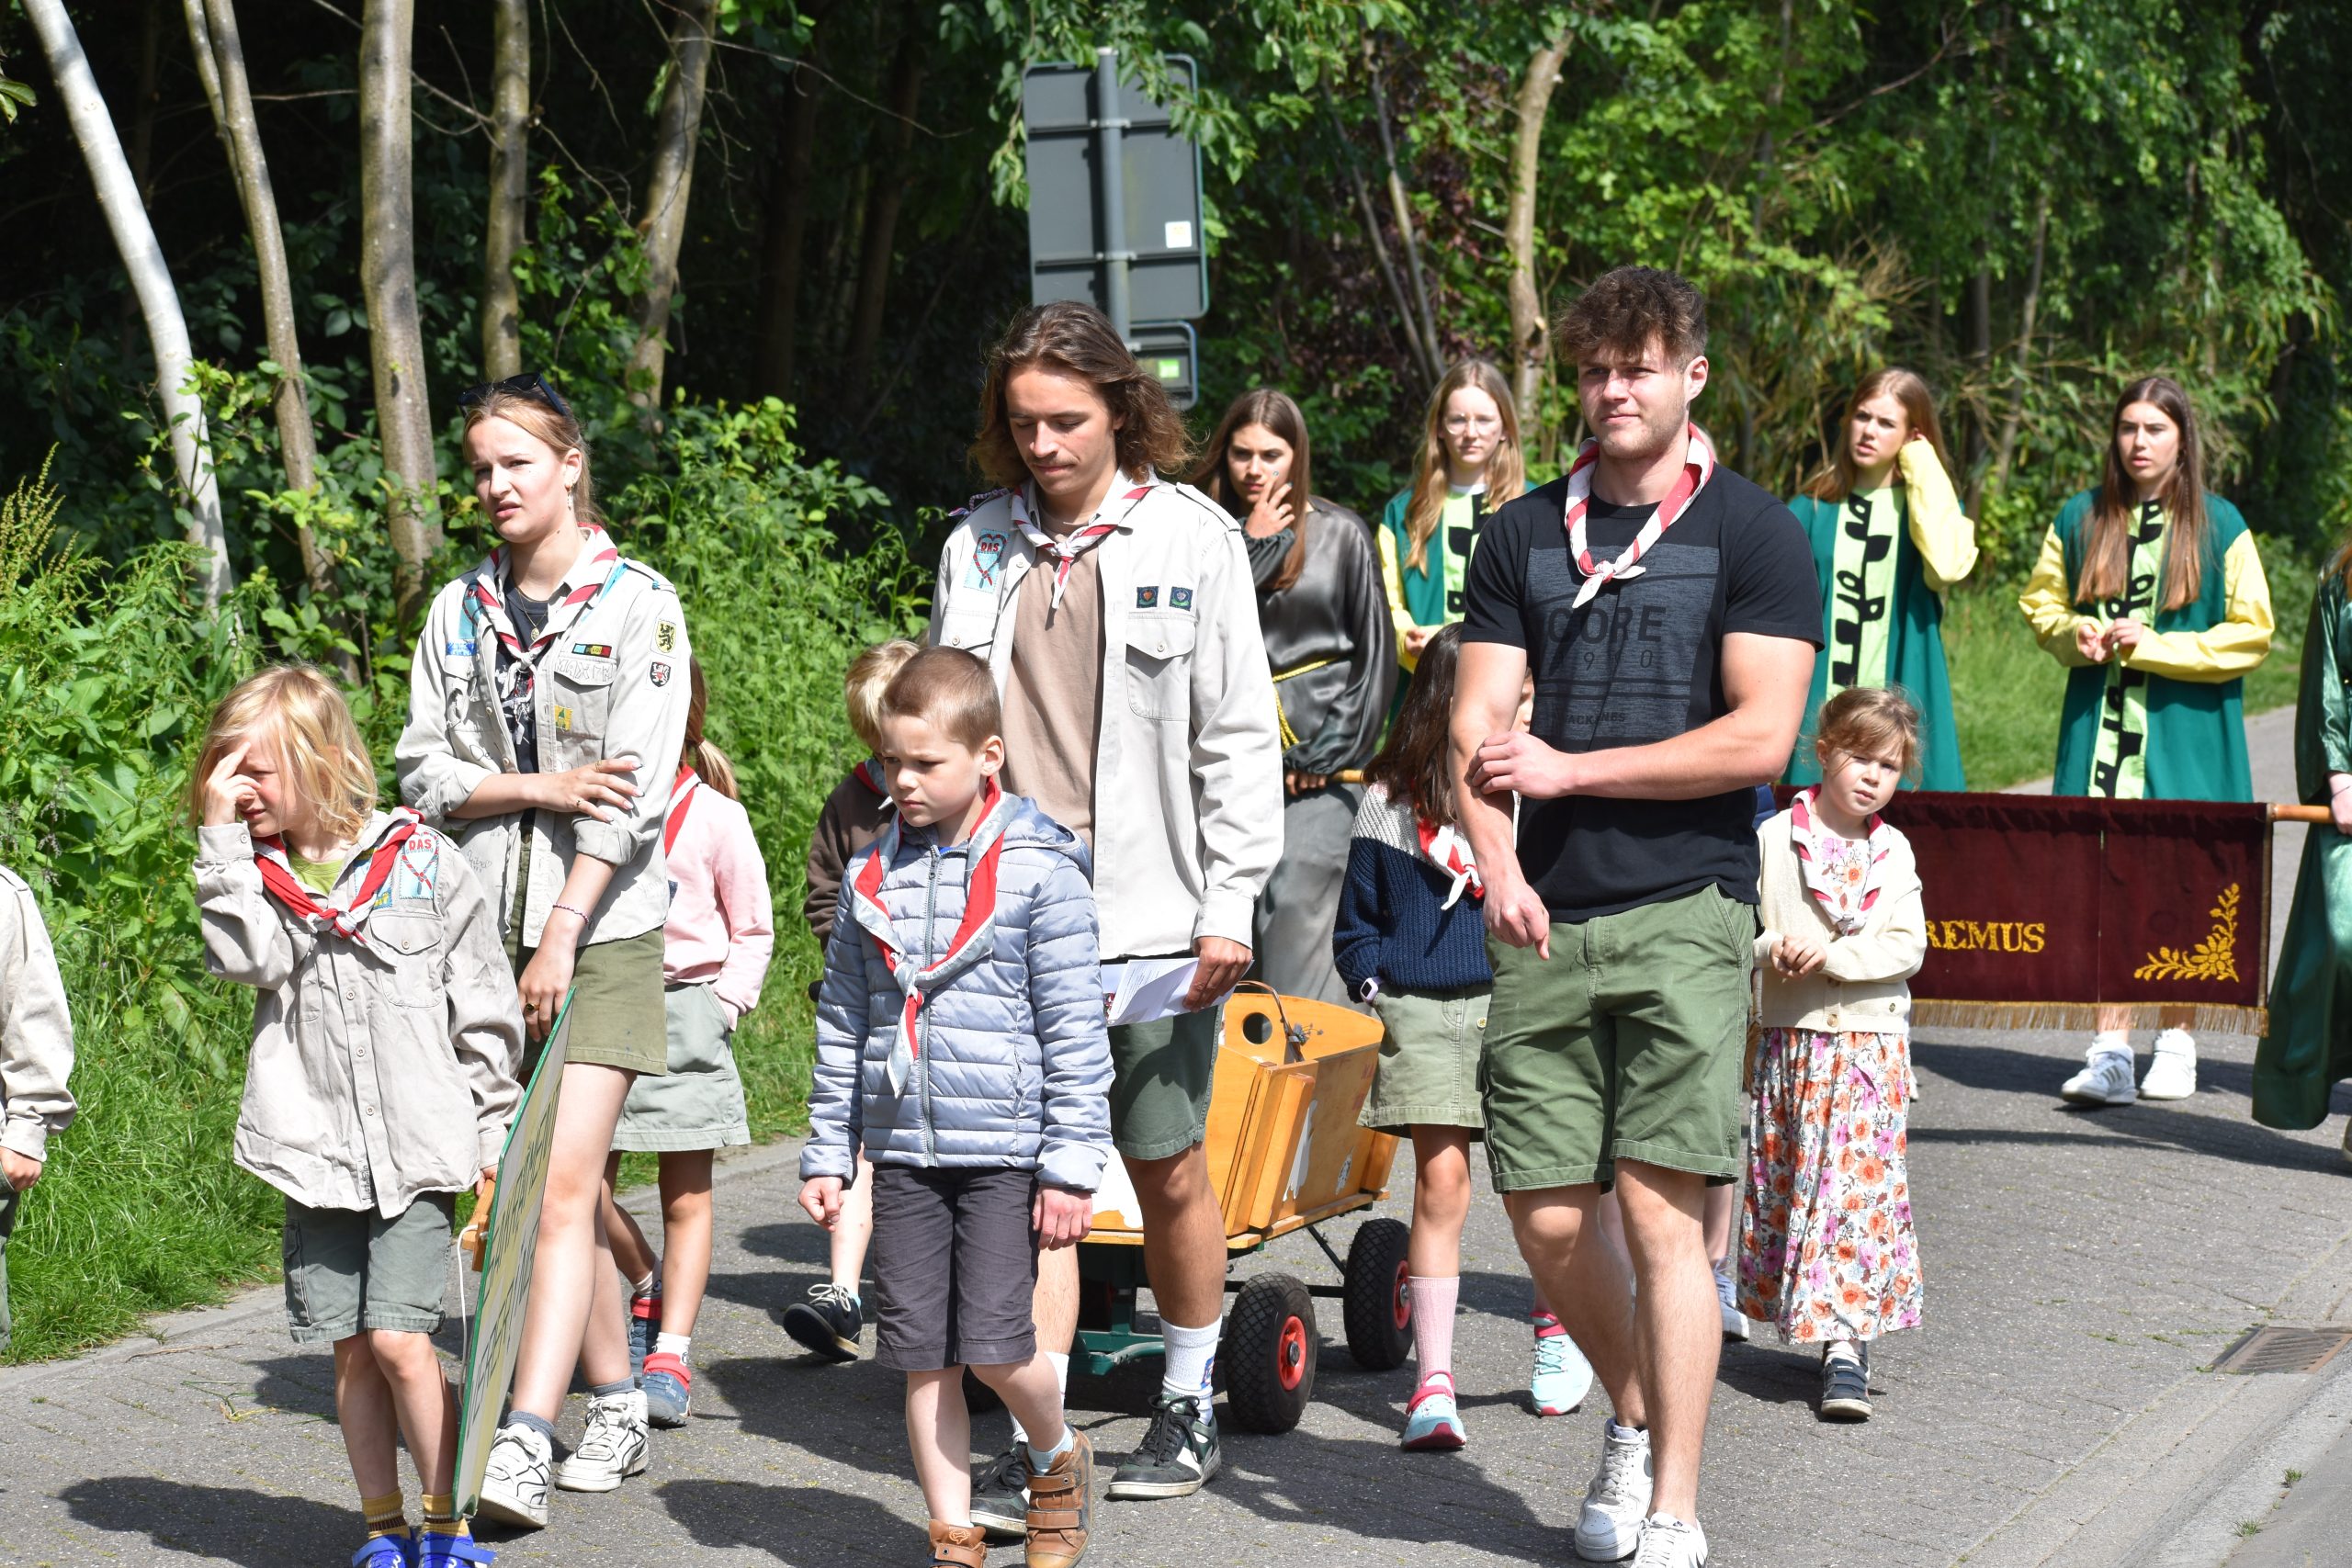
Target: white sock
{"x": 641, "y": 1288}
{"x": 1042, "y": 1460}
{"x": 676, "y": 1345}
{"x": 1841, "y": 1350}
{"x": 2111, "y": 1042}
{"x": 1061, "y": 1358}
{"x": 1192, "y": 1360}
{"x": 1620, "y": 1430}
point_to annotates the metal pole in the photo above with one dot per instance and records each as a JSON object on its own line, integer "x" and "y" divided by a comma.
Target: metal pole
{"x": 1109, "y": 168}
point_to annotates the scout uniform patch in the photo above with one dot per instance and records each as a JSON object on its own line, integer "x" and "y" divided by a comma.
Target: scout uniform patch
{"x": 458, "y": 647}
{"x": 661, "y": 673}
{"x": 562, "y": 717}
{"x": 593, "y": 649}
{"x": 1179, "y": 598}
{"x": 665, "y": 636}
{"x": 987, "y": 554}
{"x": 1147, "y": 598}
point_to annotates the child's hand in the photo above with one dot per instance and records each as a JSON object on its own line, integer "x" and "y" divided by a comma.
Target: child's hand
{"x": 1061, "y": 1217}
{"x": 1797, "y": 956}
{"x": 19, "y": 1170}
{"x": 821, "y": 1196}
{"x": 228, "y": 794}
{"x": 485, "y": 1187}
{"x": 544, "y": 981}
{"x": 2090, "y": 640}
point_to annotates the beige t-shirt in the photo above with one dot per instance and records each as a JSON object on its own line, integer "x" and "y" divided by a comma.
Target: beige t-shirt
{"x": 1053, "y": 694}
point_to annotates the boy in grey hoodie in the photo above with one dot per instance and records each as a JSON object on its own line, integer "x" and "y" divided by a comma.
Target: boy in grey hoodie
{"x": 960, "y": 1041}
{"x": 35, "y": 1057}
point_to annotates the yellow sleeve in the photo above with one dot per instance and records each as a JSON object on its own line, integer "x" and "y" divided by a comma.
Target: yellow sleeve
{"x": 2050, "y": 608}
{"x": 1392, "y": 578}
{"x": 2233, "y": 646}
{"x": 1945, "y": 537}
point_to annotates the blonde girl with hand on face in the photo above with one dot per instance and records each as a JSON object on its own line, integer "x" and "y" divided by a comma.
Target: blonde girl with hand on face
{"x": 1827, "y": 1253}
{"x": 386, "y": 1040}
{"x": 548, "y": 701}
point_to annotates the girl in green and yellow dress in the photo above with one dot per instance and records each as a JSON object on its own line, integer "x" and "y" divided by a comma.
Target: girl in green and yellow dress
{"x": 2150, "y": 591}
{"x": 1888, "y": 538}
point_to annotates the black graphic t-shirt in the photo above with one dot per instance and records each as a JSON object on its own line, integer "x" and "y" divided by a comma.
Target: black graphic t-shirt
{"x": 1642, "y": 662}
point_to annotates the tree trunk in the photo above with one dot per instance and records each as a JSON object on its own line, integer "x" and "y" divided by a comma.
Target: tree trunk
{"x": 387, "y": 279}
{"x": 676, "y": 129}
{"x": 882, "y": 212}
{"x": 1428, "y": 374}
{"x": 784, "y": 227}
{"x": 213, "y": 31}
{"x": 510, "y": 188}
{"x": 2027, "y": 309}
{"x": 1980, "y": 364}
{"x": 150, "y": 283}
{"x": 1531, "y": 332}
{"x": 1426, "y": 324}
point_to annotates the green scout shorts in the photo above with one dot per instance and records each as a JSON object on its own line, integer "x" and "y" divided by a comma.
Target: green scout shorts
{"x": 618, "y": 1018}
{"x": 1428, "y": 1061}
{"x": 11, "y": 1202}
{"x": 351, "y": 1269}
{"x": 1625, "y": 1044}
{"x": 1160, "y": 1076}
{"x": 698, "y": 1104}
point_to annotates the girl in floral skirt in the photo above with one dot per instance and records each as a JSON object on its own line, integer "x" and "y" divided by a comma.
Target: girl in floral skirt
{"x": 1828, "y": 1254}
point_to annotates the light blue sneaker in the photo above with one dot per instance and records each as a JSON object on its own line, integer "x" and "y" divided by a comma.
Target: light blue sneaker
{"x": 669, "y": 1389}
{"x": 644, "y": 1328}
{"x": 1561, "y": 1376}
{"x": 437, "y": 1551}
{"x": 386, "y": 1551}
{"x": 1432, "y": 1421}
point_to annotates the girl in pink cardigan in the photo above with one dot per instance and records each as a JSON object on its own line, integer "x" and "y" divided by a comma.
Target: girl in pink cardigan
{"x": 715, "y": 953}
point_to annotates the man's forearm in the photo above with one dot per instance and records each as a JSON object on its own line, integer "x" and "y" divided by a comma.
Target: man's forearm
{"x": 1738, "y": 750}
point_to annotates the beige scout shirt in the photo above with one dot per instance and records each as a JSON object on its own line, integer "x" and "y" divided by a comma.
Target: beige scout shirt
{"x": 36, "y": 1031}
{"x": 1053, "y": 694}
{"x": 612, "y": 684}
{"x": 1860, "y": 987}
{"x": 381, "y": 1069}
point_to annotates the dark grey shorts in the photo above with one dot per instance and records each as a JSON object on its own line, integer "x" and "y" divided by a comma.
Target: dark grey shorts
{"x": 954, "y": 1266}
{"x": 351, "y": 1269}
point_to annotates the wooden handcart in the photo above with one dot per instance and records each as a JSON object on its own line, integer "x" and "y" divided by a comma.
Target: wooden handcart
{"x": 1284, "y": 1154}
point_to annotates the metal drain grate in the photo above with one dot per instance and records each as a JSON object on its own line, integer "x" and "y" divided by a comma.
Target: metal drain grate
{"x": 2284, "y": 1351}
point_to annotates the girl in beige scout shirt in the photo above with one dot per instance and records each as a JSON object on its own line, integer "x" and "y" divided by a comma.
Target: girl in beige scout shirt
{"x": 386, "y": 1038}
{"x": 548, "y": 698}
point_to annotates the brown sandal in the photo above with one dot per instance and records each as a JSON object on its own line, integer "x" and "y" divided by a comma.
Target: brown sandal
{"x": 959, "y": 1546}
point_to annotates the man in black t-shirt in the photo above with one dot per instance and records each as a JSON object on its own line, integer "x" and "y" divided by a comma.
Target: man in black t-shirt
{"x": 1668, "y": 612}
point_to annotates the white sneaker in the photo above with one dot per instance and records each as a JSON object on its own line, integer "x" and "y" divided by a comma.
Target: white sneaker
{"x": 1608, "y": 1526}
{"x": 1727, "y": 1297}
{"x": 2106, "y": 1079}
{"x": 2172, "y": 1075}
{"x": 613, "y": 1446}
{"x": 1669, "y": 1543}
{"x": 515, "y": 1487}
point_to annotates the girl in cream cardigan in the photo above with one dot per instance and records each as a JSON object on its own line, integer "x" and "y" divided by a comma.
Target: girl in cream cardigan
{"x": 1828, "y": 1254}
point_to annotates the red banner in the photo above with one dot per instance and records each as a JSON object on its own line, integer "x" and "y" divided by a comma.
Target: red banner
{"x": 2042, "y": 910}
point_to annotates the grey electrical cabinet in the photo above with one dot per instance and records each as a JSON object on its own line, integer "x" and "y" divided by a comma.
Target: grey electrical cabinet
{"x": 1114, "y": 195}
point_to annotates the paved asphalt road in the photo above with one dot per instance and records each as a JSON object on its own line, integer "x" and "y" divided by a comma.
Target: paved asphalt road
{"x": 2083, "y": 1270}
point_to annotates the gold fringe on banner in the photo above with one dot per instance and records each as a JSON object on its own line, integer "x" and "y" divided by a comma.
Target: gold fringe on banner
{"x": 1929, "y": 1013}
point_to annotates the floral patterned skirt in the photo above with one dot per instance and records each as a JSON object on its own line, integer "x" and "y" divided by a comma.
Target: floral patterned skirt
{"x": 1826, "y": 1250}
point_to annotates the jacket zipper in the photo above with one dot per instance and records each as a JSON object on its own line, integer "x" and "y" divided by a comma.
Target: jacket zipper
{"x": 922, "y": 1039}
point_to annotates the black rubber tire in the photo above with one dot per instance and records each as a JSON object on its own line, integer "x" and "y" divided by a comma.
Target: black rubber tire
{"x": 1376, "y": 1301}
{"x": 1268, "y": 1354}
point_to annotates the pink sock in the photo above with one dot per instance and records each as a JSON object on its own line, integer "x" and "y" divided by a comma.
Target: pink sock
{"x": 1433, "y": 1302}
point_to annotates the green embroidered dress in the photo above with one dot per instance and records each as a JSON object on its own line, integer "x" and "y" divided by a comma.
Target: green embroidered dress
{"x": 2309, "y": 1046}
{"x": 2166, "y": 720}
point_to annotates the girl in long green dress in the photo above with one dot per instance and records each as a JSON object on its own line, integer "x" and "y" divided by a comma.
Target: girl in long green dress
{"x": 2150, "y": 592}
{"x": 1888, "y": 538}
{"x": 2308, "y": 1045}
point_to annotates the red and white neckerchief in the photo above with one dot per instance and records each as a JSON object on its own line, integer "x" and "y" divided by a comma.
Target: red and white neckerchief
{"x": 682, "y": 800}
{"x": 1698, "y": 468}
{"x": 974, "y": 940}
{"x": 1064, "y": 552}
{"x": 1449, "y": 851}
{"x": 599, "y": 562}
{"x": 1847, "y": 898}
{"x": 346, "y": 918}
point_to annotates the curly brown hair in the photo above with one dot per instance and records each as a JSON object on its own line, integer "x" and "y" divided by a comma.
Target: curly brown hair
{"x": 1628, "y": 308}
{"x": 1077, "y": 339}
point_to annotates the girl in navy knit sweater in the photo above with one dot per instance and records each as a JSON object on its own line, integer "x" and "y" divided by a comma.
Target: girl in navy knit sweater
{"x": 1411, "y": 940}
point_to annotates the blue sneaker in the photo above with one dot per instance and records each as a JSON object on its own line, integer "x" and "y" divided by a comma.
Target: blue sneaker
{"x": 437, "y": 1551}
{"x": 669, "y": 1389}
{"x": 1561, "y": 1377}
{"x": 386, "y": 1551}
{"x": 644, "y": 1327}
{"x": 1432, "y": 1421}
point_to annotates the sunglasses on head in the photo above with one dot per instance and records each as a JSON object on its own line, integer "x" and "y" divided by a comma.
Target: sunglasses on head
{"x": 530, "y": 384}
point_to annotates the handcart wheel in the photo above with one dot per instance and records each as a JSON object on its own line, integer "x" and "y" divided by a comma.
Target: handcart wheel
{"x": 1379, "y": 1312}
{"x": 1268, "y": 1353}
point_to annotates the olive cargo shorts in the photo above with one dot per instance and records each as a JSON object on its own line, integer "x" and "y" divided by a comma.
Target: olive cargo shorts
{"x": 1624, "y": 1044}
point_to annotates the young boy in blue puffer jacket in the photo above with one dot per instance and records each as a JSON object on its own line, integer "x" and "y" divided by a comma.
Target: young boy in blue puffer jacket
{"x": 960, "y": 1041}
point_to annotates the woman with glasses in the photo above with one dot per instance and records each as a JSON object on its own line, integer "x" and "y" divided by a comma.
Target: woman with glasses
{"x": 1469, "y": 464}
{"x": 1325, "y": 621}
{"x": 546, "y": 709}
{"x": 1889, "y": 538}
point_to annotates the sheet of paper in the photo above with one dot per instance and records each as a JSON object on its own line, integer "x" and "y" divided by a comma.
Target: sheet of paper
{"x": 1144, "y": 988}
